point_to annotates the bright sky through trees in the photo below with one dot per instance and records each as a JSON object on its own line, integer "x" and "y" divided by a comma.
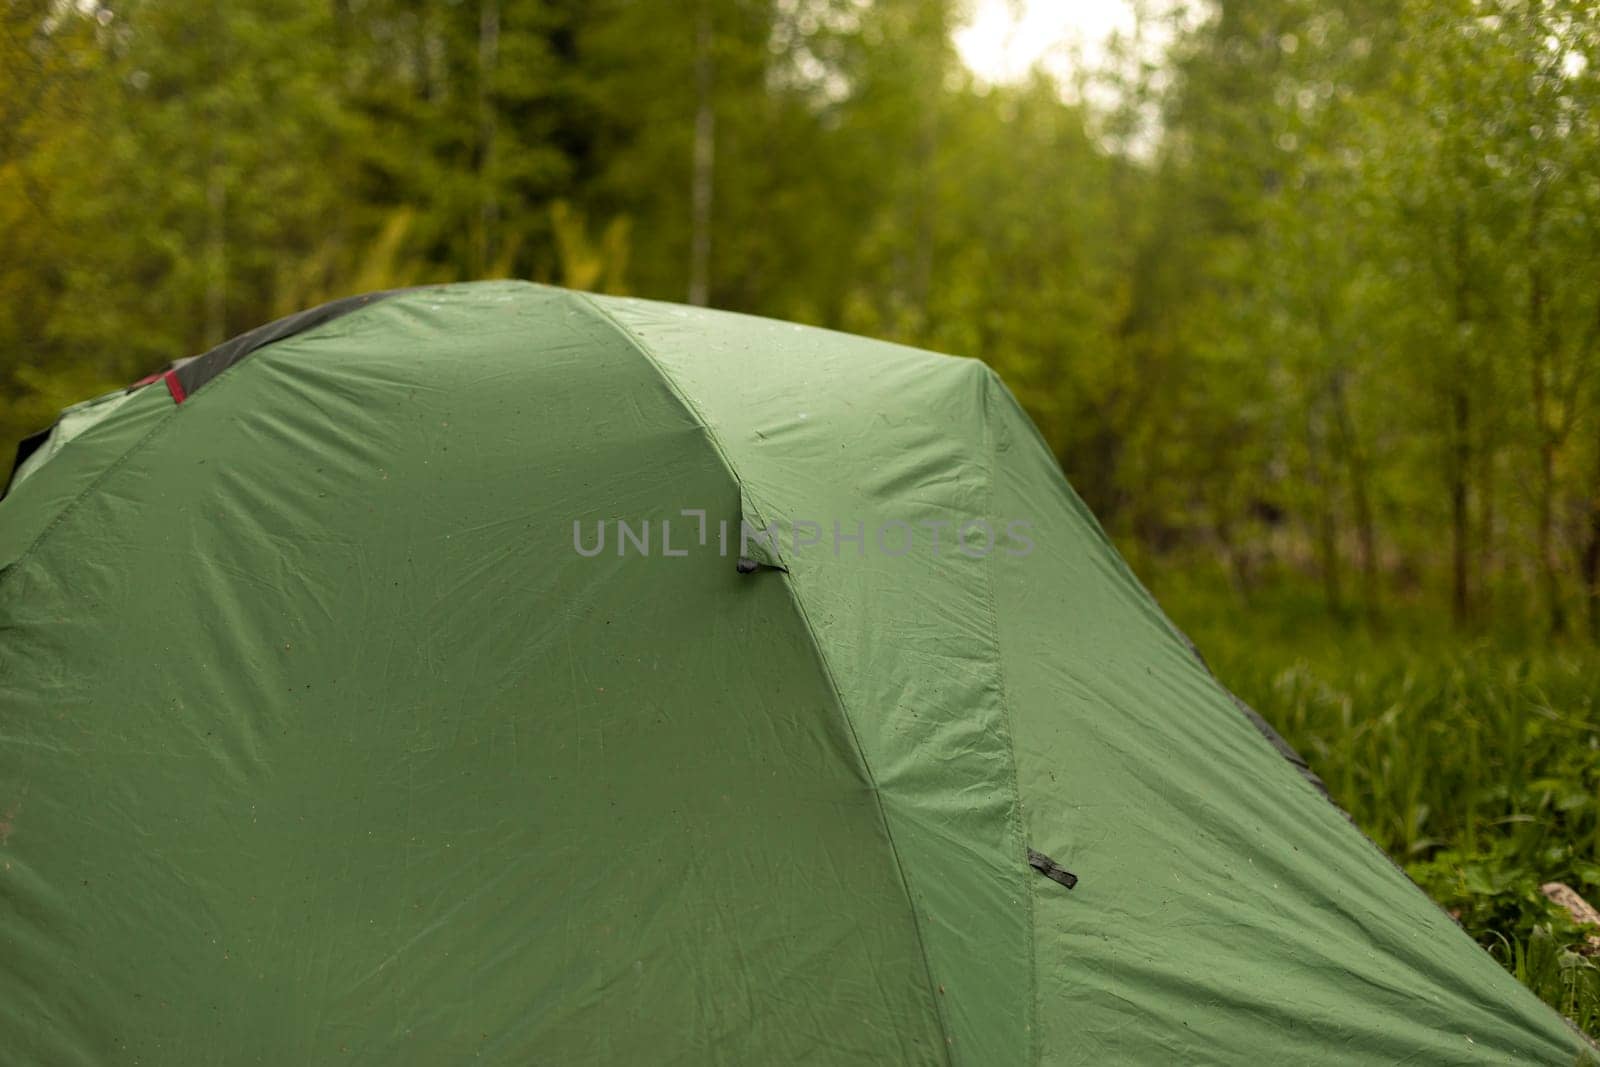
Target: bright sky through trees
{"x": 1004, "y": 39}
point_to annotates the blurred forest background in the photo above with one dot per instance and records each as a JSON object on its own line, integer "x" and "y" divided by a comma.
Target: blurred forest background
{"x": 1305, "y": 294}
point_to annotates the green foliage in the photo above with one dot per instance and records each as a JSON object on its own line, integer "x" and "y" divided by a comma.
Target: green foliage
{"x": 1312, "y": 292}
{"x": 1564, "y": 979}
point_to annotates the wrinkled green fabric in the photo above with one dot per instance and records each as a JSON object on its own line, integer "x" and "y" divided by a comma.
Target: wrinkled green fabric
{"x": 73, "y": 421}
{"x": 321, "y": 741}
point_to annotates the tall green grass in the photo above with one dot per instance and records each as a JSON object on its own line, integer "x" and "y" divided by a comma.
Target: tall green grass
{"x": 1474, "y": 761}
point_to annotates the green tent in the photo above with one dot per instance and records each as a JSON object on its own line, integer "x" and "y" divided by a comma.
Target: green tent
{"x": 493, "y": 671}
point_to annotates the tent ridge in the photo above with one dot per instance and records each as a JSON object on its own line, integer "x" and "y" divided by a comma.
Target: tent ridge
{"x": 196, "y": 371}
{"x": 934, "y": 986}
{"x": 987, "y": 381}
{"x": 694, "y": 412}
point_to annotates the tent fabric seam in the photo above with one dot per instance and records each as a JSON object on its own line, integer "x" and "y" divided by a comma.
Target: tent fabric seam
{"x": 693, "y": 410}
{"x": 176, "y": 370}
{"x": 161, "y": 425}
{"x": 94, "y": 483}
{"x": 1017, "y": 820}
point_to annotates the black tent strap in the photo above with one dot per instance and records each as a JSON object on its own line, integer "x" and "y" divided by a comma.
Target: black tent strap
{"x": 197, "y": 371}
{"x": 1051, "y": 869}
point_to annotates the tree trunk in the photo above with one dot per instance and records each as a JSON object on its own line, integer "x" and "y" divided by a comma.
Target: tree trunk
{"x": 1360, "y": 495}
{"x": 1460, "y": 441}
{"x": 702, "y": 180}
{"x": 1591, "y": 550}
{"x": 1541, "y": 347}
{"x": 488, "y": 200}
{"x": 1460, "y": 531}
{"x": 925, "y": 207}
{"x": 1487, "y": 456}
{"x": 1590, "y": 562}
{"x": 216, "y": 255}
{"x": 1327, "y": 529}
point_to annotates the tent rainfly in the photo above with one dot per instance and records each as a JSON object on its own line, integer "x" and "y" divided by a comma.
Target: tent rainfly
{"x": 498, "y": 671}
